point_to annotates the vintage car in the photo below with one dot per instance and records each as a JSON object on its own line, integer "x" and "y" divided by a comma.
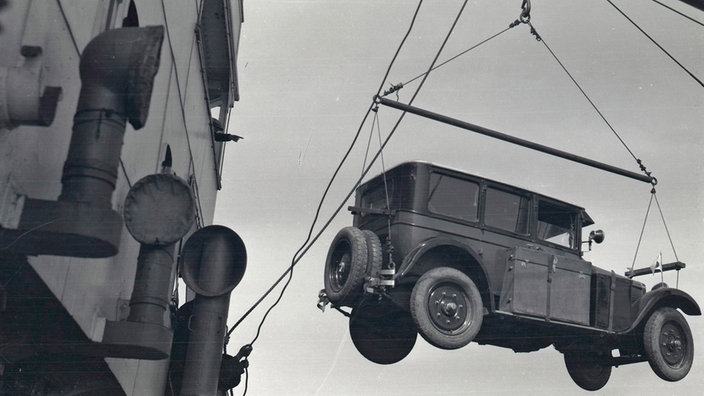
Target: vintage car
{"x": 459, "y": 258}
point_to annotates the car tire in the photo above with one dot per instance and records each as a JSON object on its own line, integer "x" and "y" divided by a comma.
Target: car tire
{"x": 447, "y": 308}
{"x": 374, "y": 250}
{"x": 586, "y": 371}
{"x": 345, "y": 266}
{"x": 381, "y": 331}
{"x": 668, "y": 344}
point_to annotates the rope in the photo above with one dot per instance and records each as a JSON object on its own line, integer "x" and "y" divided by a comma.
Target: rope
{"x": 653, "y": 196}
{"x": 369, "y": 141}
{"x": 657, "y": 44}
{"x": 679, "y": 13}
{"x": 396, "y": 87}
{"x": 191, "y": 164}
{"x": 386, "y": 193}
{"x": 642, "y": 230}
{"x": 586, "y": 96}
{"x": 666, "y": 229}
{"x": 31, "y": 230}
{"x": 68, "y": 26}
{"x": 376, "y": 123}
{"x": 309, "y": 242}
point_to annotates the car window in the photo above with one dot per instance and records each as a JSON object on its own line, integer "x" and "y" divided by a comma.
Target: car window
{"x": 506, "y": 211}
{"x": 557, "y": 224}
{"x": 454, "y": 197}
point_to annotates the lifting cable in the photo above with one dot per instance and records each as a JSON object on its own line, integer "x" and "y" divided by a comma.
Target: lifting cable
{"x": 397, "y": 87}
{"x": 539, "y": 38}
{"x": 656, "y": 43}
{"x": 653, "y": 194}
{"x": 310, "y": 241}
{"x": 679, "y": 13}
{"x": 388, "y": 241}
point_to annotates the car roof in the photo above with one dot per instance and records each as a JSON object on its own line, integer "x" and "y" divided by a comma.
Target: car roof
{"x": 587, "y": 220}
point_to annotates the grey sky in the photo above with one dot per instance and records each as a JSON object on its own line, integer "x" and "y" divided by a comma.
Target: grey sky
{"x": 308, "y": 71}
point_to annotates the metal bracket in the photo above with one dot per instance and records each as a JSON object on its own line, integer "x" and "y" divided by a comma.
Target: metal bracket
{"x": 365, "y": 211}
{"x": 323, "y": 300}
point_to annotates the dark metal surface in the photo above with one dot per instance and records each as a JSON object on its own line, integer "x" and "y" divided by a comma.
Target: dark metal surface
{"x": 677, "y": 265}
{"x": 511, "y": 139}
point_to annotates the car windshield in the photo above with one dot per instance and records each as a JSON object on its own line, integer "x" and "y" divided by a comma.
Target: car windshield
{"x": 557, "y": 224}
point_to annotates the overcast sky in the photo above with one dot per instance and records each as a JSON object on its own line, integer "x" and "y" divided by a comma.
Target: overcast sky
{"x": 308, "y": 71}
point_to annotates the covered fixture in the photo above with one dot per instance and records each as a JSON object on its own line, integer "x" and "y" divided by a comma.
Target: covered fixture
{"x": 159, "y": 211}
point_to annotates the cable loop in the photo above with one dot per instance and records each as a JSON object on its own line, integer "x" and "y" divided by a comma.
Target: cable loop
{"x": 394, "y": 88}
{"x": 653, "y": 179}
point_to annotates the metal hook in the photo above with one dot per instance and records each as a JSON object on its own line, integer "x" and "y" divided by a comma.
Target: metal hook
{"x": 525, "y": 14}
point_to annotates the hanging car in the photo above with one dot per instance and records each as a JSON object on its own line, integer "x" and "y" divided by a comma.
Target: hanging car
{"x": 457, "y": 258}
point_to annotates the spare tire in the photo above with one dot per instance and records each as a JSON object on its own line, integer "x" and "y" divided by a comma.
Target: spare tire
{"x": 374, "y": 249}
{"x": 346, "y": 266}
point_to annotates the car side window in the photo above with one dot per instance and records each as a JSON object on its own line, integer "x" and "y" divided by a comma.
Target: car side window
{"x": 506, "y": 211}
{"x": 451, "y": 196}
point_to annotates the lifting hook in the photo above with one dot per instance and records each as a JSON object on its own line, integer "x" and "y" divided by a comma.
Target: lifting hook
{"x": 525, "y": 14}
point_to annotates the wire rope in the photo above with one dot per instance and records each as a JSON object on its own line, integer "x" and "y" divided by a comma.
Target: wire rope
{"x": 662, "y": 216}
{"x": 311, "y": 241}
{"x": 657, "y": 44}
{"x": 443, "y": 63}
{"x": 308, "y": 243}
{"x": 181, "y": 103}
{"x": 642, "y": 230}
{"x": 679, "y": 13}
{"x": 534, "y": 31}
{"x": 642, "y": 167}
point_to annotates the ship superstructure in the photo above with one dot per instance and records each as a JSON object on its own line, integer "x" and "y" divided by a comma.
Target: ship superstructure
{"x": 94, "y": 97}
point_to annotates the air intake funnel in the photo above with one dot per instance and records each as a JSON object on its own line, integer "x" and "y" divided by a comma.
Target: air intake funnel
{"x": 212, "y": 264}
{"x": 159, "y": 211}
{"x": 117, "y": 73}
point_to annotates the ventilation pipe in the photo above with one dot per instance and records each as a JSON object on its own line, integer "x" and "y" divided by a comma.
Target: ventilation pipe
{"x": 159, "y": 211}
{"x": 212, "y": 264}
{"x": 24, "y": 100}
{"x": 117, "y": 73}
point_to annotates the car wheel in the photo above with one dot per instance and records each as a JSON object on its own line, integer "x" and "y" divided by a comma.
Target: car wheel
{"x": 586, "y": 371}
{"x": 447, "y": 308}
{"x": 346, "y": 265}
{"x": 381, "y": 331}
{"x": 668, "y": 344}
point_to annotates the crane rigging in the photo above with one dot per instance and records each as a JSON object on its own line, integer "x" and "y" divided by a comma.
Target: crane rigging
{"x": 648, "y": 178}
{"x": 337, "y": 273}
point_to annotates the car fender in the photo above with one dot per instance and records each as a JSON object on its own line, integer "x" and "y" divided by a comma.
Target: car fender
{"x": 415, "y": 255}
{"x": 667, "y": 297}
